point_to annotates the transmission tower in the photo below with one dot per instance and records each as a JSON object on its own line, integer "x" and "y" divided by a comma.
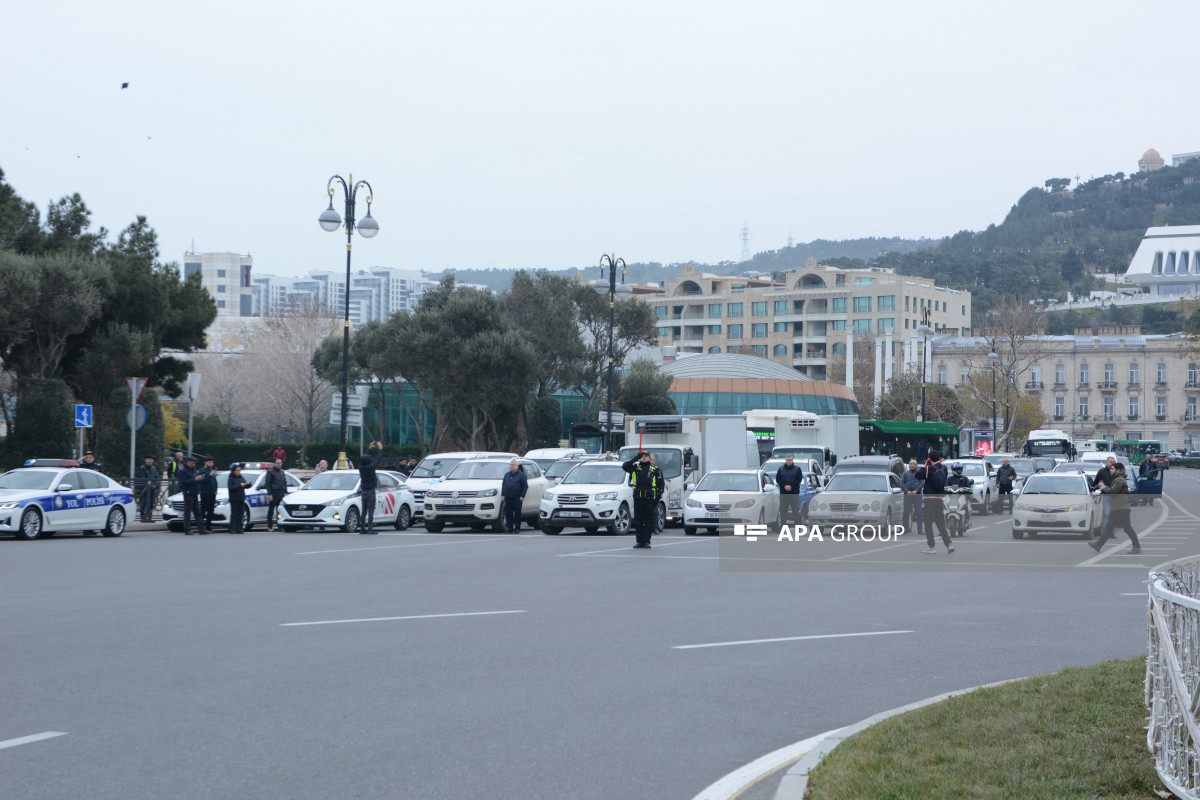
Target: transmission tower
{"x": 745, "y": 242}
{"x": 789, "y": 238}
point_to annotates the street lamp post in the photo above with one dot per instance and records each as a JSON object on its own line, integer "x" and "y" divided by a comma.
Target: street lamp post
{"x": 926, "y": 331}
{"x": 994, "y": 357}
{"x": 367, "y": 227}
{"x": 610, "y": 262}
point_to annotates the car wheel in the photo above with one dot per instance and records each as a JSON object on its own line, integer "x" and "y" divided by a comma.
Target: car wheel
{"x": 247, "y": 525}
{"x": 551, "y": 530}
{"x": 887, "y": 520}
{"x": 351, "y": 525}
{"x": 533, "y": 522}
{"x": 434, "y": 526}
{"x": 177, "y": 527}
{"x": 497, "y": 525}
{"x": 622, "y": 525}
{"x": 592, "y": 529}
{"x": 403, "y": 518}
{"x": 288, "y": 528}
{"x": 804, "y": 514}
{"x": 115, "y": 525}
{"x": 987, "y": 501}
{"x": 31, "y": 524}
{"x": 660, "y": 519}
{"x": 689, "y": 530}
{"x": 478, "y": 526}
{"x": 1018, "y": 534}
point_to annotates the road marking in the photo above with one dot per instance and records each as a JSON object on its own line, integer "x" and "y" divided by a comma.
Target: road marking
{"x": 786, "y": 639}
{"x": 735, "y": 783}
{"x": 1185, "y": 512}
{"x": 689, "y": 540}
{"x": 393, "y": 619}
{"x": 37, "y": 737}
{"x": 1133, "y": 594}
{"x": 397, "y": 546}
{"x": 1092, "y": 562}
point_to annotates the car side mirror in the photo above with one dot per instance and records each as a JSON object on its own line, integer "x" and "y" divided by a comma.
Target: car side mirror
{"x": 64, "y": 487}
{"x": 687, "y": 487}
{"x": 897, "y": 490}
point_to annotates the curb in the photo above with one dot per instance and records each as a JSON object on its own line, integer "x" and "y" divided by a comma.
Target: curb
{"x": 795, "y": 781}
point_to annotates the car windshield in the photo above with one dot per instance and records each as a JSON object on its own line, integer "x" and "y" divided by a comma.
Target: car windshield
{"x": 333, "y": 481}
{"x": 1043, "y": 463}
{"x": 27, "y": 479}
{"x": 772, "y": 465}
{"x": 436, "y": 467}
{"x": 857, "y": 483}
{"x": 1055, "y": 484}
{"x": 670, "y": 462}
{"x": 729, "y": 482}
{"x": 1023, "y": 466}
{"x": 561, "y": 467}
{"x": 1075, "y": 466}
{"x": 478, "y": 471}
{"x": 859, "y": 466}
{"x": 974, "y": 469}
{"x": 596, "y": 473}
{"x": 544, "y": 463}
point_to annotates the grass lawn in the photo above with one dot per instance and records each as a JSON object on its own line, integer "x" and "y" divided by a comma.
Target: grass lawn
{"x": 1079, "y": 733}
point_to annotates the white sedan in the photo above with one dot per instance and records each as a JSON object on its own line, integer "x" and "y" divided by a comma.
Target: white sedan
{"x": 41, "y": 501}
{"x": 859, "y": 497}
{"x": 725, "y": 496}
{"x": 334, "y": 500}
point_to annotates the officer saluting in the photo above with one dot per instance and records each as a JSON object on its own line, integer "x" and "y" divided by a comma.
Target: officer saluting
{"x": 646, "y": 480}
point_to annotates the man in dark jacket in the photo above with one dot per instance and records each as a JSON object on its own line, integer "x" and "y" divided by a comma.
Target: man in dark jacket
{"x": 89, "y": 462}
{"x": 788, "y": 478}
{"x": 237, "y": 486}
{"x": 1117, "y": 493}
{"x": 145, "y": 483}
{"x": 1005, "y": 476}
{"x": 368, "y": 483}
{"x": 276, "y": 486}
{"x": 913, "y": 484}
{"x": 189, "y": 482}
{"x": 513, "y": 489}
{"x": 934, "y": 502}
{"x": 644, "y": 477}
{"x": 208, "y": 491}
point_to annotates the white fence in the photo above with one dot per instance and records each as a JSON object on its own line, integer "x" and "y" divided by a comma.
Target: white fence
{"x": 1173, "y": 676}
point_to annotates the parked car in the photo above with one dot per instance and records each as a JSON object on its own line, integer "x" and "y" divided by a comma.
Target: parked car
{"x": 892, "y": 464}
{"x": 436, "y": 466}
{"x": 1143, "y": 488}
{"x": 594, "y": 494}
{"x": 727, "y": 496}
{"x": 1043, "y": 463}
{"x": 38, "y": 502}
{"x": 1159, "y": 460}
{"x": 1057, "y": 503}
{"x": 984, "y": 489}
{"x": 858, "y": 497}
{"x": 253, "y": 513}
{"x": 470, "y": 495}
{"x": 559, "y": 468}
{"x": 333, "y": 499}
{"x": 548, "y": 455}
{"x": 809, "y": 466}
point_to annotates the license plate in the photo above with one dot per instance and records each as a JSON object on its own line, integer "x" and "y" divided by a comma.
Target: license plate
{"x": 570, "y": 513}
{"x": 1048, "y": 518}
{"x": 455, "y": 502}
{"x": 306, "y": 513}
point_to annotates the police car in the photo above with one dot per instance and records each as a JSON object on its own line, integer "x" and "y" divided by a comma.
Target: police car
{"x": 255, "y": 510}
{"x": 51, "y": 495}
{"x": 333, "y": 500}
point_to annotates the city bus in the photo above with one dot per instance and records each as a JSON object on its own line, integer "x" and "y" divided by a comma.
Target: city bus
{"x": 1137, "y": 450}
{"x": 1092, "y": 445}
{"x": 1047, "y": 443}
{"x": 907, "y": 439}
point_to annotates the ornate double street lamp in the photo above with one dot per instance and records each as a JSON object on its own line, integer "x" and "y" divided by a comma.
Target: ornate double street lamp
{"x": 926, "y": 331}
{"x": 611, "y": 289}
{"x": 993, "y": 357}
{"x": 366, "y": 227}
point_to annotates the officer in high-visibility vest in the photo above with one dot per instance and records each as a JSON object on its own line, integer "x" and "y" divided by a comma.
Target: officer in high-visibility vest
{"x": 645, "y": 479}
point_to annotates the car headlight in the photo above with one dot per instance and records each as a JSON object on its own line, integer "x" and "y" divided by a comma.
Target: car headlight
{"x": 607, "y": 496}
{"x": 222, "y": 503}
{"x": 1075, "y": 508}
{"x": 693, "y": 503}
{"x": 336, "y": 503}
{"x": 674, "y": 498}
{"x": 548, "y": 496}
{"x": 7, "y": 506}
{"x": 489, "y": 493}
{"x": 874, "y": 506}
{"x": 1019, "y": 506}
{"x": 743, "y": 503}
{"x": 820, "y": 506}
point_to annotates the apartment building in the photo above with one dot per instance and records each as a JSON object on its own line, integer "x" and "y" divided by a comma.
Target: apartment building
{"x": 227, "y": 277}
{"x": 1111, "y": 383}
{"x": 806, "y": 319}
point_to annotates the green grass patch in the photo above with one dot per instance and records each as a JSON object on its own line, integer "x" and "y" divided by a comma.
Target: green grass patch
{"x": 1079, "y": 733}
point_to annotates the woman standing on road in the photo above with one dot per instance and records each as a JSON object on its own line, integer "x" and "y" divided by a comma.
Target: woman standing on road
{"x": 237, "y": 499}
{"x": 1117, "y": 492}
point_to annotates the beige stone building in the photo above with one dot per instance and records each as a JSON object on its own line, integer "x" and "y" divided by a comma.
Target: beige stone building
{"x": 808, "y": 317}
{"x": 1111, "y": 383}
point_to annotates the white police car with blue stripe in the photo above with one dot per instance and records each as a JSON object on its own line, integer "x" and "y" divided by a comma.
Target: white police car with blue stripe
{"x": 38, "y": 502}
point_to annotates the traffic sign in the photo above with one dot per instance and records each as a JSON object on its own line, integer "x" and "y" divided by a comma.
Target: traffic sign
{"x": 83, "y": 416}
{"x": 618, "y": 419}
{"x": 354, "y": 418}
{"x": 355, "y": 402}
{"x": 136, "y": 411}
{"x": 136, "y": 385}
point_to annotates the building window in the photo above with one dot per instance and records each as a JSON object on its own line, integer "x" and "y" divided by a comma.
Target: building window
{"x": 782, "y": 327}
{"x": 1083, "y": 373}
{"x": 714, "y": 310}
{"x": 715, "y": 330}
{"x": 1160, "y": 405}
{"x": 758, "y": 330}
{"x": 964, "y": 311}
{"x": 1060, "y": 405}
{"x": 1110, "y": 373}
{"x": 1162, "y": 372}
{"x": 221, "y": 289}
{"x": 797, "y": 306}
{"x": 660, "y": 312}
{"x": 1035, "y": 375}
{"x": 887, "y": 302}
{"x": 1060, "y": 374}
{"x": 838, "y": 324}
{"x": 1193, "y": 374}
{"x": 906, "y": 323}
{"x": 941, "y": 374}
{"x": 758, "y": 309}
{"x": 781, "y": 307}
{"x": 906, "y": 302}
{"x": 839, "y": 305}
{"x": 220, "y": 273}
{"x": 862, "y": 326}
{"x": 1109, "y": 408}
{"x": 887, "y": 325}
{"x": 1083, "y": 406}
{"x": 1135, "y": 373}
{"x": 664, "y": 333}
{"x": 714, "y": 349}
{"x": 964, "y": 374}
{"x": 1191, "y": 409}
{"x": 220, "y": 304}
{"x": 839, "y": 280}
{"x": 862, "y": 305}
{"x": 864, "y": 281}
{"x": 733, "y": 309}
{"x": 735, "y": 331}
{"x": 760, "y": 350}
{"x": 1133, "y": 406}
{"x": 839, "y": 349}
{"x": 737, "y": 288}
{"x": 781, "y": 351}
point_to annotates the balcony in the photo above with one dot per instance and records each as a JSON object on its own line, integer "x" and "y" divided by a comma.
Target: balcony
{"x": 1034, "y": 385}
{"x": 1083, "y": 417}
{"x": 1132, "y": 417}
{"x": 1109, "y": 386}
{"x": 1189, "y": 417}
{"x": 1058, "y": 382}
{"x": 1160, "y": 383}
{"x": 1135, "y": 384}
{"x": 1160, "y": 417}
{"x": 1058, "y": 417}
{"x": 1192, "y": 384}
{"x": 1084, "y": 385}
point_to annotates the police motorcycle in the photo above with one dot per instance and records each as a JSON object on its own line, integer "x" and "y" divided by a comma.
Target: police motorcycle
{"x": 958, "y": 504}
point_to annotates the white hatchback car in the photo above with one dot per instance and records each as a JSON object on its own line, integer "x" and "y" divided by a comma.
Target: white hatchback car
{"x": 724, "y": 496}
{"x": 470, "y": 495}
{"x": 333, "y": 499}
{"x": 595, "y": 494}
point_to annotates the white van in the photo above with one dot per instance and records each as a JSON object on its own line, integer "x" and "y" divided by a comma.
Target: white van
{"x": 548, "y": 455}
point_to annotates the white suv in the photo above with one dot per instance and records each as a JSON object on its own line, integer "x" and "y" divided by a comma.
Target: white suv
{"x": 594, "y": 494}
{"x": 470, "y": 495}
{"x": 434, "y": 468}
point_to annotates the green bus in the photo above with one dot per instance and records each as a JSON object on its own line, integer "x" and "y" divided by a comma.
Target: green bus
{"x": 1137, "y": 450}
{"x": 907, "y": 439}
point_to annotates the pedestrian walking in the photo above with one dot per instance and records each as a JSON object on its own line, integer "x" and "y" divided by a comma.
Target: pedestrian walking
{"x": 644, "y": 477}
{"x": 934, "y": 502}
{"x": 1117, "y": 493}
{"x": 788, "y": 478}
{"x": 279, "y": 455}
{"x": 1005, "y": 477}
{"x": 146, "y": 482}
{"x": 513, "y": 489}
{"x": 208, "y": 491}
{"x": 172, "y": 468}
{"x": 913, "y": 484}
{"x": 189, "y": 482}
{"x": 368, "y": 482}
{"x": 276, "y": 486}
{"x": 237, "y": 486}
{"x": 1103, "y": 479}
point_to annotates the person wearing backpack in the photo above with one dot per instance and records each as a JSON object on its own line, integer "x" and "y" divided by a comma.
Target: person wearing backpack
{"x": 934, "y": 505}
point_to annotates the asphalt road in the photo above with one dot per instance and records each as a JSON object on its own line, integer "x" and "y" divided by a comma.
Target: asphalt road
{"x": 175, "y": 668}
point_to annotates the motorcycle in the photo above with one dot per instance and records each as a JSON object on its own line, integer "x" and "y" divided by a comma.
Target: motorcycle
{"x": 958, "y": 509}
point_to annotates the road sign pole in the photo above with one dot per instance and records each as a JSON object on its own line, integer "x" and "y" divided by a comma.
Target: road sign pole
{"x": 79, "y": 445}
{"x": 136, "y": 385}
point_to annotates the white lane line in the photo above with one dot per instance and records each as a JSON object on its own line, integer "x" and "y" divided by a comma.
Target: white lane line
{"x": 393, "y": 619}
{"x": 1092, "y": 562}
{"x": 786, "y": 639}
{"x": 397, "y": 546}
{"x": 630, "y": 547}
{"x": 37, "y": 737}
{"x": 1133, "y": 594}
{"x": 1185, "y": 512}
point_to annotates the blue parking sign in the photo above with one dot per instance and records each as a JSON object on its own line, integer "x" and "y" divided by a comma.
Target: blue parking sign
{"x": 83, "y": 416}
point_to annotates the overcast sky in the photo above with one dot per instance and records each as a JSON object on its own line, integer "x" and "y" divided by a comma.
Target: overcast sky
{"x": 542, "y": 134}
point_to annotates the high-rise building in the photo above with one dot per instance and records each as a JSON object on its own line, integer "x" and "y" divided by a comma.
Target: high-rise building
{"x": 375, "y": 293}
{"x": 227, "y": 277}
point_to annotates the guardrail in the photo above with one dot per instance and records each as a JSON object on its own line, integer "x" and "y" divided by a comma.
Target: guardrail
{"x": 1173, "y": 676}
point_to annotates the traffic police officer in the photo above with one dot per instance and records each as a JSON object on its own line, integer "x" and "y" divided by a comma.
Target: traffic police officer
{"x": 646, "y": 480}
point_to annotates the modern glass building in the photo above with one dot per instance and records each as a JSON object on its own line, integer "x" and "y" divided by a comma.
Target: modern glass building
{"x": 730, "y": 383}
